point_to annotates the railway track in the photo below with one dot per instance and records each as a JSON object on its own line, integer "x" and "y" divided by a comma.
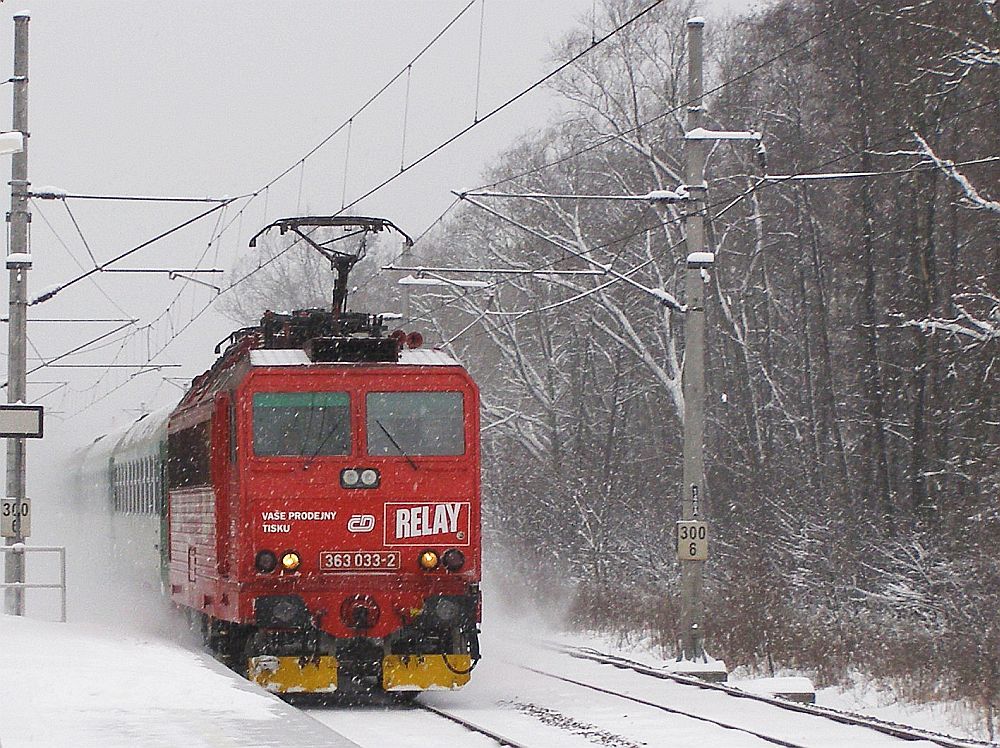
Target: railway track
{"x": 471, "y": 726}
{"x": 903, "y": 732}
{"x": 564, "y": 697}
{"x": 379, "y": 723}
{"x": 670, "y": 709}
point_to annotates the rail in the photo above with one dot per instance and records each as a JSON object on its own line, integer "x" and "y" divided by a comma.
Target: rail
{"x": 471, "y": 726}
{"x": 61, "y": 585}
{"x": 904, "y": 732}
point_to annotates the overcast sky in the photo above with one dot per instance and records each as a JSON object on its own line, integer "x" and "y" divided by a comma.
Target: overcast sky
{"x": 196, "y": 98}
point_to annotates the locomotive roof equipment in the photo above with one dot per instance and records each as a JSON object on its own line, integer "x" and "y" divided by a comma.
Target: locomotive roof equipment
{"x": 342, "y": 262}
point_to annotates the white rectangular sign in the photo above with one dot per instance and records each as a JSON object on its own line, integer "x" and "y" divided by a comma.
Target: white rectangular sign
{"x": 24, "y": 421}
{"x": 15, "y": 515}
{"x": 692, "y": 540}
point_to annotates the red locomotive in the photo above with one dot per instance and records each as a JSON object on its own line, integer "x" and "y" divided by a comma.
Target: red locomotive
{"x": 322, "y": 512}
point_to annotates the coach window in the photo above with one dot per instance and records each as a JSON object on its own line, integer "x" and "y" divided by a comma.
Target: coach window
{"x": 127, "y": 485}
{"x": 188, "y": 461}
{"x": 301, "y": 424}
{"x": 147, "y": 485}
{"x": 130, "y": 467}
{"x": 415, "y": 423}
{"x": 117, "y": 488}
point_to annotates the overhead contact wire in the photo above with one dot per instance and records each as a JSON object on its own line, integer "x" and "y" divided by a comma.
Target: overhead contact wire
{"x": 517, "y": 97}
{"x": 76, "y": 262}
{"x": 378, "y": 93}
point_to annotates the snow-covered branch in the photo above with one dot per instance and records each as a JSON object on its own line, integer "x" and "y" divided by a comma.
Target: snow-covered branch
{"x": 948, "y": 167}
{"x": 967, "y": 324}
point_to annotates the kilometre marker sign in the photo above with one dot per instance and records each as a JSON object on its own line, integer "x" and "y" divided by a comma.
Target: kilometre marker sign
{"x": 15, "y": 517}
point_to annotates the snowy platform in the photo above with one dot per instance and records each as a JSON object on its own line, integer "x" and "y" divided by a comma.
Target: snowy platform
{"x": 70, "y": 685}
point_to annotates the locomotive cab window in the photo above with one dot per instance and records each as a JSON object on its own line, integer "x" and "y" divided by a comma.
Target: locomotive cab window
{"x": 301, "y": 424}
{"x": 415, "y": 423}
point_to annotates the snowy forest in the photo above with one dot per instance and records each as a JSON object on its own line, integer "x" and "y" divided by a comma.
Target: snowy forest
{"x": 853, "y": 332}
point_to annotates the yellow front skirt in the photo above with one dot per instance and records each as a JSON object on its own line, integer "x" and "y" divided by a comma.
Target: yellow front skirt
{"x": 425, "y": 672}
{"x": 293, "y": 674}
{"x": 430, "y": 672}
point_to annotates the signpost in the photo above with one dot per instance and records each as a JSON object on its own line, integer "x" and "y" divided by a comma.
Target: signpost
{"x": 21, "y": 421}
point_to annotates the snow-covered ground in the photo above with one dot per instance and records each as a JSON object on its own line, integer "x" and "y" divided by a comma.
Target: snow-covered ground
{"x": 80, "y": 684}
{"x": 513, "y": 693}
{"x": 862, "y": 696}
{"x": 76, "y": 686}
{"x": 865, "y": 697}
{"x": 125, "y": 672}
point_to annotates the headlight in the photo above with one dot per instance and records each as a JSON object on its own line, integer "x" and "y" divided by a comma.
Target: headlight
{"x": 290, "y": 561}
{"x": 428, "y": 560}
{"x": 369, "y": 477}
{"x": 266, "y": 562}
{"x": 349, "y": 477}
{"x": 453, "y": 559}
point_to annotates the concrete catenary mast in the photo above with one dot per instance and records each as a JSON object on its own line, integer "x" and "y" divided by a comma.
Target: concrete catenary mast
{"x": 18, "y": 263}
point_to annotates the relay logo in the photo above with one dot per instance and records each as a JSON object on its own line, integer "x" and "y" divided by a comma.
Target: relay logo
{"x": 443, "y": 523}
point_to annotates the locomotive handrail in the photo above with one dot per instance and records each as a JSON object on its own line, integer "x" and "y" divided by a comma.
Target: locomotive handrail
{"x": 61, "y": 584}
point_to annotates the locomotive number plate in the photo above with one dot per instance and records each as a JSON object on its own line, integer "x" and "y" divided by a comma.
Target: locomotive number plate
{"x": 358, "y": 560}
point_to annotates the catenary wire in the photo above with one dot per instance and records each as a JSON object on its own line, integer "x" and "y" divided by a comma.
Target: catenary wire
{"x": 348, "y": 124}
{"x": 735, "y": 79}
{"x": 762, "y": 183}
{"x": 72, "y": 256}
{"x": 427, "y": 315}
{"x": 448, "y": 141}
{"x": 496, "y": 110}
{"x": 253, "y": 195}
{"x": 123, "y": 255}
{"x": 724, "y": 84}
{"x": 79, "y": 231}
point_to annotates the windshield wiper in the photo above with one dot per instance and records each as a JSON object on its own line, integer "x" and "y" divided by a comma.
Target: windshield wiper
{"x": 308, "y": 428}
{"x": 396, "y": 444}
{"x": 322, "y": 444}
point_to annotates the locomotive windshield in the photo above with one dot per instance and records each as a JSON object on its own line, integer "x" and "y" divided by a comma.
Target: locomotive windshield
{"x": 415, "y": 423}
{"x": 297, "y": 424}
